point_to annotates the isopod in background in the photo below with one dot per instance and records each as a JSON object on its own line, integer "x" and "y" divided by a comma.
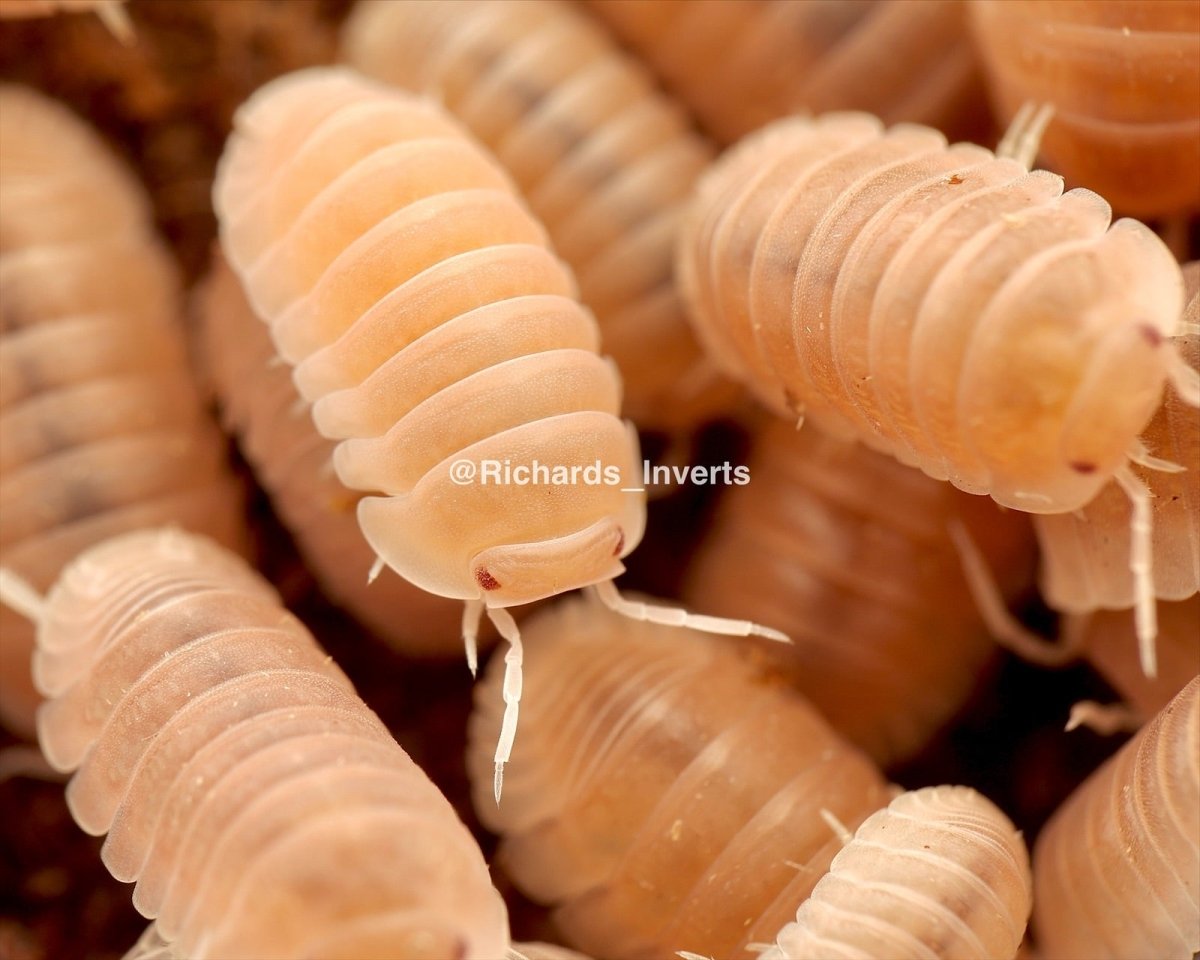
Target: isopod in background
{"x": 1123, "y": 77}
{"x": 941, "y": 872}
{"x": 604, "y": 159}
{"x": 943, "y": 305}
{"x": 740, "y": 65}
{"x": 665, "y": 793}
{"x": 1116, "y": 868}
{"x": 431, "y": 326}
{"x": 101, "y": 428}
{"x": 261, "y": 807}
{"x": 886, "y": 640}
{"x": 294, "y": 464}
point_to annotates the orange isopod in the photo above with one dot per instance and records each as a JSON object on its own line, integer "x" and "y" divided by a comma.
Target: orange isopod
{"x": 848, "y": 553}
{"x": 739, "y": 65}
{"x": 439, "y": 339}
{"x": 262, "y": 808}
{"x": 293, "y": 462}
{"x": 1123, "y": 77}
{"x": 943, "y": 305}
{"x": 665, "y": 794}
{"x": 1116, "y": 869}
{"x": 940, "y": 873}
{"x": 101, "y": 429}
{"x": 604, "y": 160}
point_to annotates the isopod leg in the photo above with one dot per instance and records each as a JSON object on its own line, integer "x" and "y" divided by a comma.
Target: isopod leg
{"x": 19, "y": 594}
{"x": 1005, "y": 629}
{"x": 1184, "y": 379}
{"x": 472, "y": 614}
{"x": 1141, "y": 566}
{"x": 1140, "y": 455}
{"x": 1104, "y": 719}
{"x": 513, "y": 658}
{"x": 1024, "y": 135}
{"x": 116, "y": 20}
{"x": 607, "y": 593}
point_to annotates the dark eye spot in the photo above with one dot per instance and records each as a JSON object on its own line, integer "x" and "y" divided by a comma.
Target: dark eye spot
{"x": 1152, "y": 334}
{"x": 486, "y": 580}
{"x": 620, "y": 543}
{"x": 954, "y": 180}
{"x": 1082, "y": 466}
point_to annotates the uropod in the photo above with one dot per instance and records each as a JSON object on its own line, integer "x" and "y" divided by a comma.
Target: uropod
{"x": 945, "y": 305}
{"x": 433, "y": 330}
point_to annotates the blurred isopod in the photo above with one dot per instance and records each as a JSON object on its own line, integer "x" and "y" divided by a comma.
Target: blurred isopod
{"x": 941, "y": 872}
{"x": 262, "y": 808}
{"x": 604, "y": 160}
{"x": 101, "y": 429}
{"x": 740, "y": 65}
{"x": 292, "y": 461}
{"x": 847, "y": 552}
{"x": 665, "y": 794}
{"x": 943, "y": 305}
{"x": 438, "y": 337}
{"x": 1124, "y": 79}
{"x": 1117, "y": 869}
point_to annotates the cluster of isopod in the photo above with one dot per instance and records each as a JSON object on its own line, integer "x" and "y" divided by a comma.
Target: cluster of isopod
{"x": 965, "y": 398}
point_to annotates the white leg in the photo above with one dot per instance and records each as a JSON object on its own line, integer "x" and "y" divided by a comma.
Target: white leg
{"x": 1141, "y": 564}
{"x": 1005, "y": 629}
{"x": 472, "y": 613}
{"x": 19, "y": 594}
{"x": 1140, "y": 455}
{"x": 840, "y": 830}
{"x": 1023, "y": 137}
{"x": 115, "y": 18}
{"x": 1184, "y": 379}
{"x": 513, "y": 658}
{"x": 376, "y": 569}
{"x": 1104, "y": 719}
{"x": 606, "y": 591}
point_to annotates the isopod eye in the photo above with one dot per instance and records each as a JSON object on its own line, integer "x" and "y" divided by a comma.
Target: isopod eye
{"x": 486, "y": 580}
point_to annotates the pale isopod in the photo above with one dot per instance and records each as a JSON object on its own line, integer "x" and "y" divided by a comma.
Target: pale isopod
{"x": 101, "y": 429}
{"x": 261, "y": 807}
{"x": 604, "y": 160}
{"x": 941, "y": 872}
{"x": 943, "y": 305}
{"x": 292, "y": 461}
{"x": 434, "y": 332}
{"x": 738, "y": 65}
{"x": 665, "y": 794}
{"x": 1124, "y": 79}
{"x": 1116, "y": 869}
{"x": 847, "y": 552}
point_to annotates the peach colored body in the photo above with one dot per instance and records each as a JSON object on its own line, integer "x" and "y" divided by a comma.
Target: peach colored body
{"x": 101, "y": 429}
{"x": 886, "y": 640}
{"x": 1124, "y": 79}
{"x": 664, "y": 795}
{"x": 605, "y": 161}
{"x": 940, "y": 873}
{"x": 1116, "y": 868}
{"x": 429, "y": 323}
{"x": 293, "y": 462}
{"x": 938, "y": 303}
{"x": 261, "y": 807}
{"x": 739, "y": 65}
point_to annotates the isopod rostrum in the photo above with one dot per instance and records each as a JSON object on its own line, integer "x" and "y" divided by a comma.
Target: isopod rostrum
{"x": 1116, "y": 869}
{"x": 261, "y": 807}
{"x": 1124, "y": 79}
{"x": 739, "y": 65}
{"x": 101, "y": 428}
{"x": 941, "y": 872}
{"x": 943, "y": 305}
{"x": 435, "y": 332}
{"x": 292, "y": 461}
{"x": 665, "y": 793}
{"x": 887, "y": 641}
{"x": 604, "y": 160}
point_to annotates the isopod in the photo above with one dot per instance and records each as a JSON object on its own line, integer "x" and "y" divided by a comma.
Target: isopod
{"x": 941, "y": 872}
{"x": 1116, "y": 868}
{"x": 740, "y": 65}
{"x": 665, "y": 794}
{"x": 1124, "y": 78}
{"x": 291, "y": 460}
{"x": 101, "y": 428}
{"x": 433, "y": 331}
{"x": 262, "y": 808}
{"x": 604, "y": 160}
{"x": 887, "y": 641}
{"x": 943, "y": 305}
